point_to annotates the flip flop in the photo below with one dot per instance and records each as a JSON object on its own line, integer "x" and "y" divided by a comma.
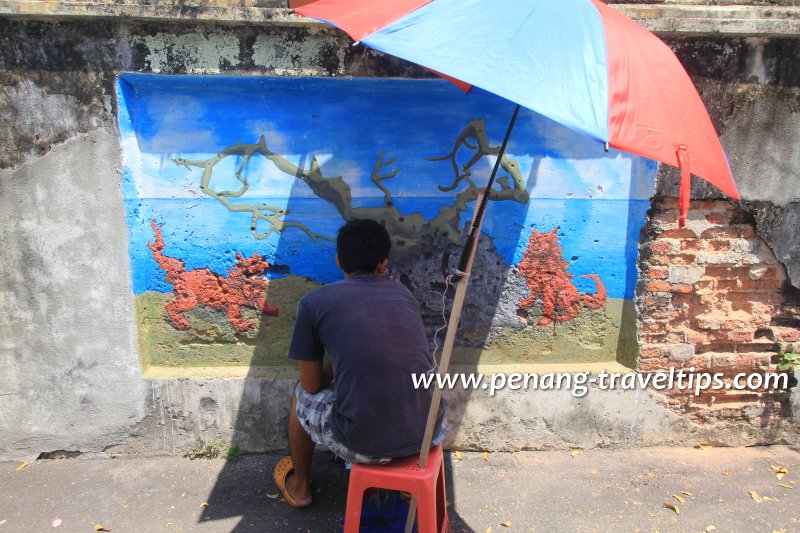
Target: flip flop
{"x": 282, "y": 471}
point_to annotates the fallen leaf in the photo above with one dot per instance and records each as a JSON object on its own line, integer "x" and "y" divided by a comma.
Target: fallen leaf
{"x": 575, "y": 452}
{"x": 56, "y": 522}
{"x": 704, "y": 446}
{"x": 755, "y": 496}
{"x": 673, "y": 507}
{"x": 273, "y": 495}
{"x": 785, "y": 485}
{"x": 710, "y": 528}
{"x": 98, "y": 527}
{"x": 686, "y": 493}
{"x": 448, "y": 503}
{"x": 778, "y": 469}
{"x": 780, "y": 475}
{"x": 651, "y": 474}
{"x": 768, "y": 499}
{"x": 506, "y": 523}
{"x": 485, "y": 456}
{"x": 23, "y": 465}
{"x": 204, "y": 505}
{"x": 3, "y": 522}
{"x": 458, "y": 455}
{"x": 488, "y": 530}
{"x": 726, "y": 472}
{"x": 680, "y": 500}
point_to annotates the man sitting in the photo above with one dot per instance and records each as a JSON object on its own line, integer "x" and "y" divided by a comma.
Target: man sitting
{"x": 372, "y": 331}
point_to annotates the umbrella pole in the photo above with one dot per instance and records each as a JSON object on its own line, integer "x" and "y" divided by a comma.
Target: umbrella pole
{"x": 484, "y": 201}
{"x": 461, "y": 279}
{"x": 447, "y": 351}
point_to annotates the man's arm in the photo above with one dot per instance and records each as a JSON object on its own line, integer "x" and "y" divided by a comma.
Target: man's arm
{"x": 315, "y": 375}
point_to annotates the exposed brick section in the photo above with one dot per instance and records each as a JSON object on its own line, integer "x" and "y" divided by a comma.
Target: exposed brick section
{"x": 713, "y": 296}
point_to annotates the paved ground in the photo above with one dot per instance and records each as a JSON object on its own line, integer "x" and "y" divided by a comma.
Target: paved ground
{"x": 596, "y": 490}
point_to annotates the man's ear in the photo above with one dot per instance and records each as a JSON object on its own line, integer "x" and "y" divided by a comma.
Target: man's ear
{"x": 338, "y": 263}
{"x": 381, "y": 268}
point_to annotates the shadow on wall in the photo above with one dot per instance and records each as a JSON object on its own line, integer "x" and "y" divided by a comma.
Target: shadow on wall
{"x": 235, "y": 188}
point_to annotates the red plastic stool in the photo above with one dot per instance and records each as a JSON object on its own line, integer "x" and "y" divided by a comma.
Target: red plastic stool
{"x": 425, "y": 484}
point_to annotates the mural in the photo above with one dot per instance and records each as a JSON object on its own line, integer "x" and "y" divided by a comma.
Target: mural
{"x": 235, "y": 188}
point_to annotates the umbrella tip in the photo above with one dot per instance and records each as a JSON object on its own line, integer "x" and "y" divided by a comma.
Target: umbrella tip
{"x": 605, "y": 146}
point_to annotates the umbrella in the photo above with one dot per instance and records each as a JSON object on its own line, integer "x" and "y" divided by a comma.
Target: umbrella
{"x": 577, "y": 62}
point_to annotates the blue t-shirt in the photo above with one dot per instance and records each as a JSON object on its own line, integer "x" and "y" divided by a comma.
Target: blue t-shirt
{"x": 372, "y": 331}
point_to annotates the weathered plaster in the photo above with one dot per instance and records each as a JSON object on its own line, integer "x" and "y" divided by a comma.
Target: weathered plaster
{"x": 71, "y": 375}
{"x": 300, "y": 56}
{"x": 252, "y": 413}
{"x": 196, "y": 53}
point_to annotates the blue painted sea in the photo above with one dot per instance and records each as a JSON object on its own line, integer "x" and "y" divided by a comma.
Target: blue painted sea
{"x": 598, "y": 236}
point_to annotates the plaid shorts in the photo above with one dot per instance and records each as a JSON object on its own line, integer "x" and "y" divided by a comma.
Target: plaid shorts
{"x": 314, "y": 413}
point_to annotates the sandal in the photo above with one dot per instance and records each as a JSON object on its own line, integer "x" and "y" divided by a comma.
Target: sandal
{"x": 282, "y": 471}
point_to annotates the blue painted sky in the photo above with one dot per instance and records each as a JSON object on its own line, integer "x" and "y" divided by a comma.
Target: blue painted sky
{"x": 597, "y": 199}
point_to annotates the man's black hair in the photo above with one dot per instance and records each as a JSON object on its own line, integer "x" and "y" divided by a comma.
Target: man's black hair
{"x": 362, "y": 245}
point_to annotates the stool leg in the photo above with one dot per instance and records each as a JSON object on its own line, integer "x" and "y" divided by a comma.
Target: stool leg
{"x": 441, "y": 501}
{"x": 355, "y": 499}
{"x": 426, "y": 510}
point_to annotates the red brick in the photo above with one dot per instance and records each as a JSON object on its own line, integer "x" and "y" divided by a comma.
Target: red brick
{"x": 682, "y": 299}
{"x": 651, "y": 365}
{"x": 765, "y": 273}
{"x": 755, "y": 297}
{"x": 719, "y": 218}
{"x": 766, "y": 284}
{"x": 762, "y": 360}
{"x": 729, "y": 284}
{"x": 696, "y": 337}
{"x": 660, "y": 259}
{"x": 653, "y": 338}
{"x": 699, "y": 362}
{"x": 681, "y": 289}
{"x": 746, "y": 307}
{"x": 683, "y": 259}
{"x": 722, "y": 272}
{"x": 664, "y": 246}
{"x": 784, "y": 334}
{"x": 668, "y": 202}
{"x": 747, "y": 231}
{"x": 722, "y": 360}
{"x": 740, "y": 336}
{"x": 732, "y": 325}
{"x": 710, "y": 298}
{"x": 723, "y": 232}
{"x": 706, "y": 284}
{"x": 676, "y": 337}
{"x": 723, "y": 347}
{"x": 657, "y": 272}
{"x": 691, "y": 244}
{"x": 666, "y": 217}
{"x": 718, "y": 245}
{"x": 651, "y": 352}
{"x": 658, "y": 286}
{"x": 680, "y": 233}
{"x": 652, "y": 327}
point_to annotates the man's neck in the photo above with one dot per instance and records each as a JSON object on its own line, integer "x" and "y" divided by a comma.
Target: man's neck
{"x": 361, "y": 273}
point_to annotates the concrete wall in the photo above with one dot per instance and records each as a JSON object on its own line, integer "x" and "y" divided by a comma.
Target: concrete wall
{"x": 72, "y": 375}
